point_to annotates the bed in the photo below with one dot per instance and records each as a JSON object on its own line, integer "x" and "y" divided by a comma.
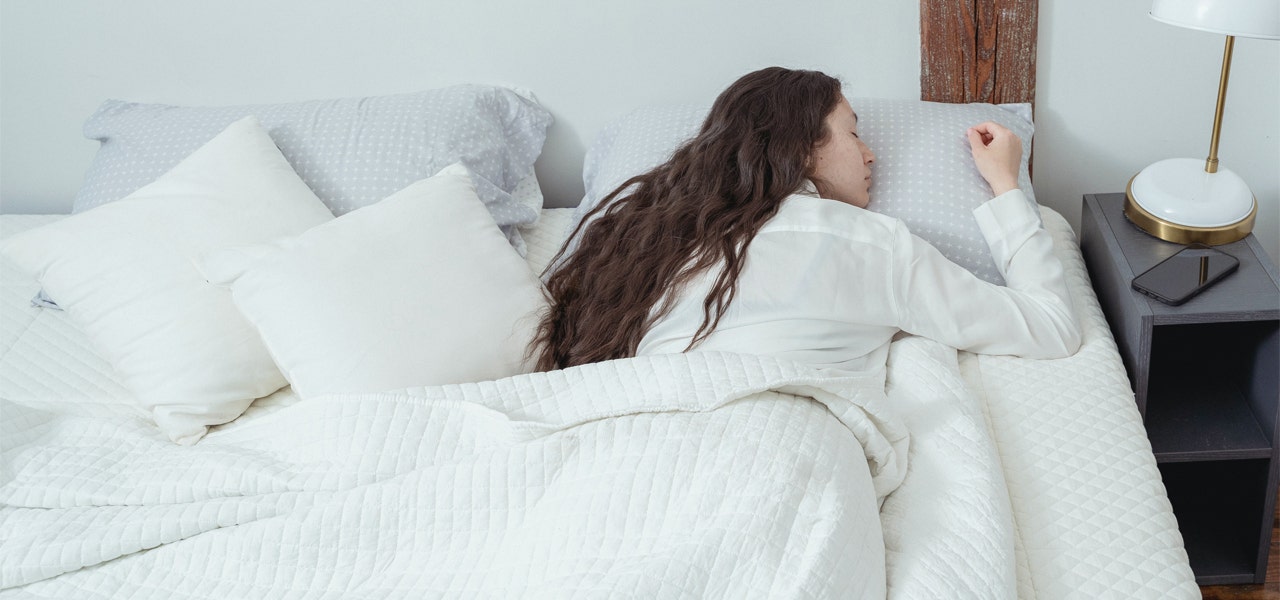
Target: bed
{"x": 694, "y": 475}
{"x": 1049, "y": 494}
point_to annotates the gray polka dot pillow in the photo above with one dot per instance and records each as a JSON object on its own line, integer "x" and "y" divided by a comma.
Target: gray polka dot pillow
{"x": 924, "y": 173}
{"x": 351, "y": 152}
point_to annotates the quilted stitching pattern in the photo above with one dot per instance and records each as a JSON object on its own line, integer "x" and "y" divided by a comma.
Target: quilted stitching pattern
{"x": 544, "y": 240}
{"x": 394, "y": 495}
{"x": 14, "y": 316}
{"x": 45, "y": 358}
{"x": 1092, "y": 514}
{"x": 948, "y": 528}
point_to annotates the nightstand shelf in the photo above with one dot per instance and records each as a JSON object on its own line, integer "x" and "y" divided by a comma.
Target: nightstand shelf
{"x": 1217, "y": 515}
{"x": 1200, "y": 411}
{"x": 1200, "y": 422}
{"x": 1206, "y": 379}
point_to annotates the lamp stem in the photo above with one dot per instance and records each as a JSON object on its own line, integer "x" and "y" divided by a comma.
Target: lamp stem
{"x": 1211, "y": 164}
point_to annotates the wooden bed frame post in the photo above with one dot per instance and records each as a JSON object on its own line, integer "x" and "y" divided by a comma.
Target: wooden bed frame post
{"x": 978, "y": 50}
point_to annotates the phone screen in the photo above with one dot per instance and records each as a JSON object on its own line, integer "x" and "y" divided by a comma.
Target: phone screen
{"x": 1182, "y": 274}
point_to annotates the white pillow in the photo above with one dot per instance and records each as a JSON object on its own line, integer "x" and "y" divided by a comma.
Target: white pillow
{"x": 419, "y": 289}
{"x": 123, "y": 272}
{"x": 924, "y": 173}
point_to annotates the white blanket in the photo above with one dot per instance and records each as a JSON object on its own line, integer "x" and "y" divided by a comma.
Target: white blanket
{"x": 949, "y": 528}
{"x": 698, "y": 475}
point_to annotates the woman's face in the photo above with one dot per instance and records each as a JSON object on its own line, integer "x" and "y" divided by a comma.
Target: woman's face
{"x": 841, "y": 166}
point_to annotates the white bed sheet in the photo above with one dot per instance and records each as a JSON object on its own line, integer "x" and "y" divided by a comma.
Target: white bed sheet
{"x": 1091, "y": 522}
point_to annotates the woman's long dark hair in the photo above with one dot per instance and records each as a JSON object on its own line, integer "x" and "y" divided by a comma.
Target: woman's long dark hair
{"x": 699, "y": 210}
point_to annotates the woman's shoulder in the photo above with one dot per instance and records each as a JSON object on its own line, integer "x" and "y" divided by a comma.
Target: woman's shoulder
{"x": 802, "y": 213}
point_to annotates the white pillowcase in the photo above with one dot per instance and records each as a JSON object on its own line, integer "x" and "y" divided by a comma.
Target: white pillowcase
{"x": 421, "y": 288}
{"x": 124, "y": 273}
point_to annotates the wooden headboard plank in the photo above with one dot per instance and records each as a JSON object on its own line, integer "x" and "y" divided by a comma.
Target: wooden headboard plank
{"x": 978, "y": 50}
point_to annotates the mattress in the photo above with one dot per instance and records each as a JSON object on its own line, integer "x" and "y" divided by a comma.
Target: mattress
{"x": 1090, "y": 509}
{"x": 1069, "y": 503}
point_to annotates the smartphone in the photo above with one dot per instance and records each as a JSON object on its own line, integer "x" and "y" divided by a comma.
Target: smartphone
{"x": 1188, "y": 272}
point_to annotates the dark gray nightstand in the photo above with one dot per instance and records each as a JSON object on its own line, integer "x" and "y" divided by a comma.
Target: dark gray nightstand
{"x": 1205, "y": 376}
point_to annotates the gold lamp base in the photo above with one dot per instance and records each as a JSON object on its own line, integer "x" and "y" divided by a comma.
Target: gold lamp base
{"x": 1185, "y": 234}
{"x": 1179, "y": 201}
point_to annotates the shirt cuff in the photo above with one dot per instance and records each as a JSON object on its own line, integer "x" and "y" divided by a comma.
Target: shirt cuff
{"x": 1006, "y": 222}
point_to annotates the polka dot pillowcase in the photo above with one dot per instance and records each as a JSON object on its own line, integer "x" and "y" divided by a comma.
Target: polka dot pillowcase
{"x": 351, "y": 152}
{"x": 923, "y": 175}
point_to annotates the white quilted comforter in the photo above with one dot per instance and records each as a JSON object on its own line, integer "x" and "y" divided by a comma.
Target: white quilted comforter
{"x": 703, "y": 475}
{"x": 681, "y": 476}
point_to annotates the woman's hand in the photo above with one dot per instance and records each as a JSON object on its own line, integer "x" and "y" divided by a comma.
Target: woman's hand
{"x": 997, "y": 152}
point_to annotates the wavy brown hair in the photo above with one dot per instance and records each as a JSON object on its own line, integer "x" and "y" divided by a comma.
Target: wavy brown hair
{"x": 698, "y": 211}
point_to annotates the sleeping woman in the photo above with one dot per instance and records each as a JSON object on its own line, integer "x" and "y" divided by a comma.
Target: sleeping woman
{"x": 754, "y": 238}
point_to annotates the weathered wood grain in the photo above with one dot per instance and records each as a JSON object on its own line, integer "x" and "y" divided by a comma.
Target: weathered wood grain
{"x": 978, "y": 50}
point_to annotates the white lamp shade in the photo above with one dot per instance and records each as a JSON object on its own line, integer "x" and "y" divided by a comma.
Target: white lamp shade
{"x": 1244, "y": 18}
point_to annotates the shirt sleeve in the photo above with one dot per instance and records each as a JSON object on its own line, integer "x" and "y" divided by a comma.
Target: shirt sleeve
{"x": 1030, "y": 317}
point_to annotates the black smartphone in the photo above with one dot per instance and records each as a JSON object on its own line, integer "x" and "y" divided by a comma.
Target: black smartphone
{"x": 1188, "y": 272}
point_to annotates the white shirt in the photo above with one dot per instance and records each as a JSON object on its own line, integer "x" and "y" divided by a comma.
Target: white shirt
{"x": 829, "y": 284}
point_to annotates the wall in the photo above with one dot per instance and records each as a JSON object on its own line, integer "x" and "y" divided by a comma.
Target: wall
{"x": 1116, "y": 90}
{"x": 588, "y": 61}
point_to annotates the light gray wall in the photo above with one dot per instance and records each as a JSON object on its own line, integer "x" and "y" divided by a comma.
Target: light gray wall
{"x": 1116, "y": 90}
{"x": 588, "y": 61}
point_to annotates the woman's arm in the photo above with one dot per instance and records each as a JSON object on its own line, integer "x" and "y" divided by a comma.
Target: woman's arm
{"x": 1032, "y": 316}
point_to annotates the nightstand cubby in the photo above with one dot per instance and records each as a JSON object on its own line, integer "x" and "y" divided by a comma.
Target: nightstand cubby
{"x": 1206, "y": 378}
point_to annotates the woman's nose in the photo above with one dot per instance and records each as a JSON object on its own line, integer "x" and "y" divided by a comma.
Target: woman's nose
{"x": 868, "y": 156}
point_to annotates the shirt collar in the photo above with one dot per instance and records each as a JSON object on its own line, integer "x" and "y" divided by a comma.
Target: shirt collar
{"x": 807, "y": 188}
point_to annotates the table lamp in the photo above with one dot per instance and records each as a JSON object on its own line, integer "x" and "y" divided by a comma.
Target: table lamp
{"x": 1188, "y": 200}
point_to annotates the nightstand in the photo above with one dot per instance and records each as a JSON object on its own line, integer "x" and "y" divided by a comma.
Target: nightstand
{"x": 1205, "y": 377}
